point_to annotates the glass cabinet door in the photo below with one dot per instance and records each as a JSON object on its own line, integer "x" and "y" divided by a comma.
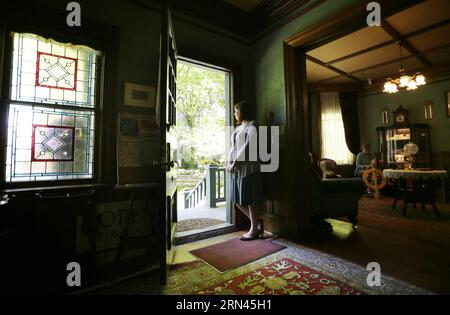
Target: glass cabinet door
{"x": 396, "y": 139}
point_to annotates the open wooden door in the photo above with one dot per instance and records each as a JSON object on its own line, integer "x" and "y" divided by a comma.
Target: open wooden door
{"x": 166, "y": 105}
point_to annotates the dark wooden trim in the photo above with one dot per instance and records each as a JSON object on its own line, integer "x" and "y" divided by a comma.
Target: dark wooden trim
{"x": 335, "y": 87}
{"x": 328, "y": 26}
{"x": 268, "y": 12}
{"x": 319, "y": 126}
{"x": 205, "y": 234}
{"x": 322, "y": 82}
{"x": 64, "y": 188}
{"x": 51, "y": 23}
{"x": 388, "y": 28}
{"x": 5, "y": 74}
{"x": 344, "y": 22}
{"x": 446, "y": 105}
{"x": 298, "y": 142}
{"x": 298, "y": 132}
{"x": 323, "y": 64}
{"x": 283, "y": 22}
{"x": 253, "y": 33}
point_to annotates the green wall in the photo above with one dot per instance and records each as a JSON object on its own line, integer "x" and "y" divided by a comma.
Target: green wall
{"x": 139, "y": 41}
{"x": 370, "y": 107}
{"x": 267, "y": 56}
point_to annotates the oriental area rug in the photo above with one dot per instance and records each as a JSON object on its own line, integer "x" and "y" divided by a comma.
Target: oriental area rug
{"x": 282, "y": 277}
{"x": 294, "y": 270}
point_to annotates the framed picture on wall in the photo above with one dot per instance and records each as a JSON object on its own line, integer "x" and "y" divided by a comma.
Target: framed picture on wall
{"x": 138, "y": 95}
{"x": 447, "y": 103}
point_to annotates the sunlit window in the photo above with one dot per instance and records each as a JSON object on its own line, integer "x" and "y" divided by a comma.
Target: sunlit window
{"x": 333, "y": 134}
{"x": 51, "y": 110}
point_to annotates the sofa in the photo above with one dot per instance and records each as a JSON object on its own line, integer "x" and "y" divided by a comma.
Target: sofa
{"x": 334, "y": 197}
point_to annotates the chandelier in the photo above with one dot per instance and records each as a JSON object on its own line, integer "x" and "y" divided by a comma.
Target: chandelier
{"x": 404, "y": 81}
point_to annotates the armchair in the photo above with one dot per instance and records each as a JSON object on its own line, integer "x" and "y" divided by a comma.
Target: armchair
{"x": 335, "y": 197}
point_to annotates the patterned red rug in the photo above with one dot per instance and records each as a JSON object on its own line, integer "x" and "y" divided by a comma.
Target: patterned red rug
{"x": 417, "y": 223}
{"x": 283, "y": 277}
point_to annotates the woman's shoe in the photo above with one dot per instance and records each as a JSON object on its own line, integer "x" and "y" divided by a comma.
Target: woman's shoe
{"x": 248, "y": 238}
{"x": 261, "y": 229}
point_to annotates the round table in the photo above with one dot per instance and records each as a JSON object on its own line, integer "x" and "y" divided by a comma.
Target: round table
{"x": 416, "y": 186}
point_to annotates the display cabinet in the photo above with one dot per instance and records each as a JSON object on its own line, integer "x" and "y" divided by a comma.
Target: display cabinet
{"x": 392, "y": 140}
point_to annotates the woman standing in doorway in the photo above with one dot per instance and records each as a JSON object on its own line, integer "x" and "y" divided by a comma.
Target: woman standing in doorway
{"x": 244, "y": 166}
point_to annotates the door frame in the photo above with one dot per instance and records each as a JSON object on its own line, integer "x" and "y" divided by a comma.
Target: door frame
{"x": 298, "y": 207}
{"x": 188, "y": 55}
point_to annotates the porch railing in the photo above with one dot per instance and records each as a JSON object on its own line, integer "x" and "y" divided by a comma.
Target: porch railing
{"x": 212, "y": 187}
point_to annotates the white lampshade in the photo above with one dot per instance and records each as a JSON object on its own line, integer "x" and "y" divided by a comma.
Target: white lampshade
{"x": 390, "y": 87}
{"x": 412, "y": 85}
{"x": 404, "y": 81}
{"x": 420, "y": 79}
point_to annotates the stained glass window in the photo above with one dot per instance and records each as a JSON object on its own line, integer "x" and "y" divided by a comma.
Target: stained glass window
{"x": 46, "y": 71}
{"x": 51, "y": 116}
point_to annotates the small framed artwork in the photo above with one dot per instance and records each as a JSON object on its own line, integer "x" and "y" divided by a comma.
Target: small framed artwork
{"x": 385, "y": 116}
{"x": 447, "y": 103}
{"x": 428, "y": 110}
{"x": 138, "y": 95}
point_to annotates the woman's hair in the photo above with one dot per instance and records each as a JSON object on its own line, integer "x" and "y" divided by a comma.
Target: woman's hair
{"x": 245, "y": 110}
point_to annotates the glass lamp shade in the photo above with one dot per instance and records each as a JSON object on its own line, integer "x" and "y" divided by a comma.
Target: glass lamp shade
{"x": 411, "y": 148}
{"x": 412, "y": 85}
{"x": 390, "y": 87}
{"x": 420, "y": 79}
{"x": 404, "y": 81}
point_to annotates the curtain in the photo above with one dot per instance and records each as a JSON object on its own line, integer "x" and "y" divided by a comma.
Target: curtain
{"x": 333, "y": 136}
{"x": 349, "y": 110}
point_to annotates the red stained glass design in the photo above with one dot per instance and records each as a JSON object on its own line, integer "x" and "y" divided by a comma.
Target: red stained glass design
{"x": 56, "y": 71}
{"x": 52, "y": 143}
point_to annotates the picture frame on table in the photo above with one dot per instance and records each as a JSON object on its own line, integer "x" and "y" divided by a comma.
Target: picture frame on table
{"x": 138, "y": 95}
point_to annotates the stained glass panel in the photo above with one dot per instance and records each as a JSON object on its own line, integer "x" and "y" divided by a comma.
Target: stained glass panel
{"x": 46, "y": 71}
{"x": 56, "y": 71}
{"x": 52, "y": 143}
{"x": 49, "y": 144}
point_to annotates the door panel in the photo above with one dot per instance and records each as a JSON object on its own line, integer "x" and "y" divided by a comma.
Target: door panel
{"x": 167, "y": 121}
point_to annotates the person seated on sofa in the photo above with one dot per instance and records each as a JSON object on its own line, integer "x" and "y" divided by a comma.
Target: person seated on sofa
{"x": 363, "y": 160}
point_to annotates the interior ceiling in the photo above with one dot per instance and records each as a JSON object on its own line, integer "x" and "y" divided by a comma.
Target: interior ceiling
{"x": 374, "y": 52}
{"x": 246, "y": 5}
{"x": 243, "y": 19}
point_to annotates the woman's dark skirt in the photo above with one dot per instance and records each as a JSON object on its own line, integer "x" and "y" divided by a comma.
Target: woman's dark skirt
{"x": 246, "y": 190}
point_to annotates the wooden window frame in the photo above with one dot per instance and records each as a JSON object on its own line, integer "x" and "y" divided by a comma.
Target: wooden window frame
{"x": 96, "y": 35}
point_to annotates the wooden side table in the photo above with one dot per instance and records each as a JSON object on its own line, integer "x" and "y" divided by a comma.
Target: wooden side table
{"x": 416, "y": 186}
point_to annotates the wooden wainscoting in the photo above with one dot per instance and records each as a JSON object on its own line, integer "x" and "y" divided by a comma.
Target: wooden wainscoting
{"x": 441, "y": 160}
{"x": 274, "y": 207}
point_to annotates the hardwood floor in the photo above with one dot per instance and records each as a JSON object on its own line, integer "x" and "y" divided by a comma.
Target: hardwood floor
{"x": 423, "y": 263}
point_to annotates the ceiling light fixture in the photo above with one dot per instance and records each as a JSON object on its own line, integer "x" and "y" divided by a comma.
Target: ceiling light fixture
{"x": 404, "y": 81}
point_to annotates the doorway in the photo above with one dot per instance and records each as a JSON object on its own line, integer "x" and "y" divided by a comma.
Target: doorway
{"x": 203, "y": 112}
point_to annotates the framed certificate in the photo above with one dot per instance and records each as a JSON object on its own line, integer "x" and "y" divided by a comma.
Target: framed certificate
{"x": 139, "y": 95}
